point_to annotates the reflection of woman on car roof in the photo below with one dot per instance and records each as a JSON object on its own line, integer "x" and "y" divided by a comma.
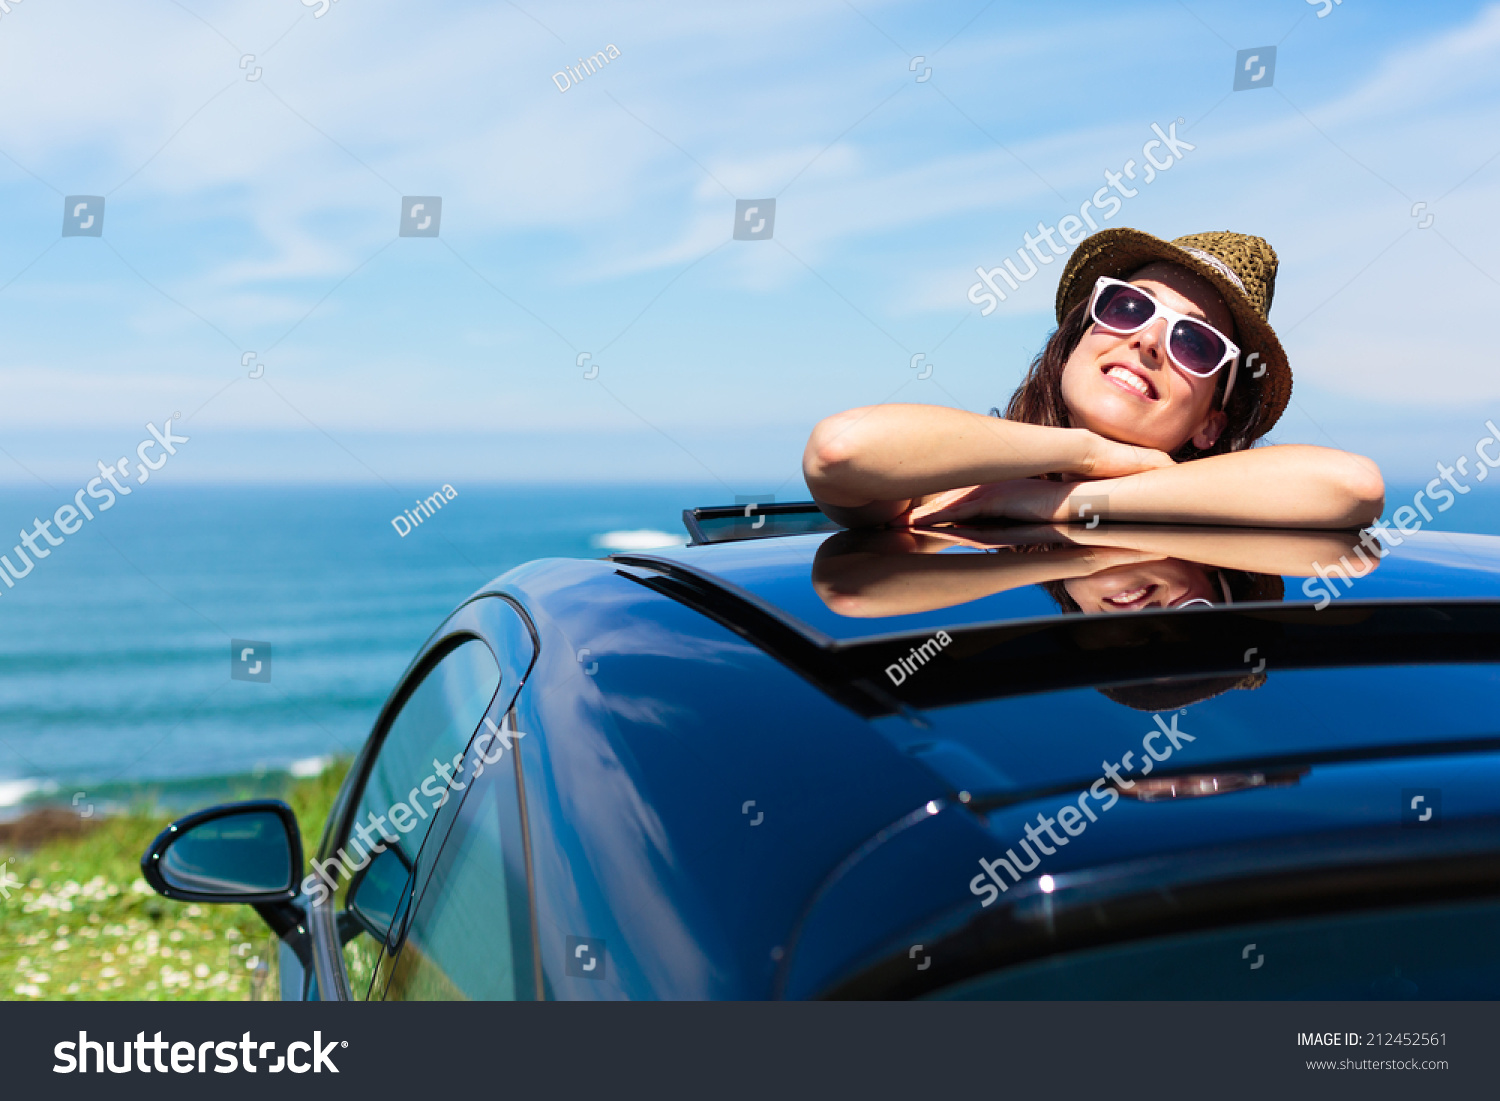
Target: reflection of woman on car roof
{"x": 1145, "y": 404}
{"x": 1105, "y": 570}
{"x": 1111, "y": 568}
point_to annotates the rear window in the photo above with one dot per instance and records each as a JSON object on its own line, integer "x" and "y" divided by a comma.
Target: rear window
{"x": 1428, "y": 953}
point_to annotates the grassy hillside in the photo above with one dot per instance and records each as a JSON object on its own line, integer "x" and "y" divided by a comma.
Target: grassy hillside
{"x": 81, "y": 923}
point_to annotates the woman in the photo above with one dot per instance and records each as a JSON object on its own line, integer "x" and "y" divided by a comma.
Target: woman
{"x": 1144, "y": 405}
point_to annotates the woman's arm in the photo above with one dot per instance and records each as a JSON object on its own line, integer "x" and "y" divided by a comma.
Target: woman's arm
{"x": 1254, "y": 550}
{"x": 1293, "y": 486}
{"x": 887, "y": 579}
{"x": 869, "y": 465}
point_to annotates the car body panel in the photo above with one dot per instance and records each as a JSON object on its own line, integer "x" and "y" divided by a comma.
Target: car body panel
{"x": 1346, "y": 805}
{"x": 675, "y": 813}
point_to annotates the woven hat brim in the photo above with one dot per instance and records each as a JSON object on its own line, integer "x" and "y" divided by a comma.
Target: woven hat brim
{"x": 1119, "y": 252}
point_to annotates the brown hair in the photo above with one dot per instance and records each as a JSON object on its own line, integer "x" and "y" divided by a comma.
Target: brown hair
{"x": 1039, "y": 398}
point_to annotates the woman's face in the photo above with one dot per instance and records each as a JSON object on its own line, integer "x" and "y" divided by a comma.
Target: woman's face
{"x": 1162, "y": 584}
{"x": 1126, "y": 387}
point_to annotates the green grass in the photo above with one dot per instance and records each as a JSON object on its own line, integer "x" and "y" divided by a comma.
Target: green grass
{"x": 83, "y": 925}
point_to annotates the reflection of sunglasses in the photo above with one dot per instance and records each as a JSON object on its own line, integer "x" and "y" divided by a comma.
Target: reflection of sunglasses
{"x": 1198, "y": 600}
{"x": 1193, "y": 344}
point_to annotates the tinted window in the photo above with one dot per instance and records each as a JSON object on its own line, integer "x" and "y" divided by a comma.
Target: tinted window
{"x": 433, "y": 727}
{"x": 406, "y": 782}
{"x": 1438, "y": 952}
{"x": 469, "y": 936}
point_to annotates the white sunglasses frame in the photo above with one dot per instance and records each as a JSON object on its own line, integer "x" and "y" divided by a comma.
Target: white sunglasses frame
{"x": 1231, "y": 349}
{"x": 1197, "y": 600}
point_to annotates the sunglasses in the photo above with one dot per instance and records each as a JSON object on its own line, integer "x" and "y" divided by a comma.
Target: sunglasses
{"x": 1193, "y": 344}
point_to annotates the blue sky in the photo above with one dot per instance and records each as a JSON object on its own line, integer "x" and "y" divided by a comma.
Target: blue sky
{"x": 261, "y": 215}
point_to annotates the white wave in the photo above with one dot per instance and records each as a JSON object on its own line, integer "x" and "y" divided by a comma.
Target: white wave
{"x": 308, "y": 767}
{"x": 642, "y": 539}
{"x": 13, "y": 792}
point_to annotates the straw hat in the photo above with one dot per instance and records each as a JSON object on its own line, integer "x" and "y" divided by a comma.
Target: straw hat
{"x": 1241, "y": 268}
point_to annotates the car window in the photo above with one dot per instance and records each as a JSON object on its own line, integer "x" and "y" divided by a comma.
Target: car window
{"x": 470, "y": 934}
{"x": 1431, "y": 952}
{"x": 408, "y": 779}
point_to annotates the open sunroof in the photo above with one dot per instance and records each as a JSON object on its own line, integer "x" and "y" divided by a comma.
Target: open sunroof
{"x": 731, "y": 523}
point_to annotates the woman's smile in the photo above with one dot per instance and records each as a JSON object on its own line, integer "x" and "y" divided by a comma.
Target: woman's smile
{"x": 1132, "y": 380}
{"x": 1160, "y": 583}
{"x": 1130, "y": 598}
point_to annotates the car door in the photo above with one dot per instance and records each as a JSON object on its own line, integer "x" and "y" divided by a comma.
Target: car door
{"x": 469, "y": 934}
{"x": 403, "y": 793}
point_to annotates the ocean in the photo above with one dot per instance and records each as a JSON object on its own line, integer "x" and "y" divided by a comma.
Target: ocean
{"x": 115, "y": 650}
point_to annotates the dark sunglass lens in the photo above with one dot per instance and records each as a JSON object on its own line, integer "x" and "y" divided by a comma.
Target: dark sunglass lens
{"x": 1196, "y": 346}
{"x": 1124, "y": 309}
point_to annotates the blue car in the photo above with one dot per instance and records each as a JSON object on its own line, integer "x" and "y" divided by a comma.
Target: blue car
{"x": 792, "y": 761}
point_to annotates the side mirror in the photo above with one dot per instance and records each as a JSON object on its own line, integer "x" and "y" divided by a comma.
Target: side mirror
{"x": 379, "y": 894}
{"x": 236, "y": 852}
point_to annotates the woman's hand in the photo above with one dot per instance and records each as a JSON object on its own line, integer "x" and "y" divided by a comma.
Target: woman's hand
{"x": 867, "y": 466}
{"x": 1023, "y": 499}
{"x": 1036, "y": 499}
{"x": 1109, "y": 459}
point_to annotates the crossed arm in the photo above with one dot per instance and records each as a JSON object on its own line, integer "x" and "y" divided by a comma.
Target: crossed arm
{"x": 910, "y": 464}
